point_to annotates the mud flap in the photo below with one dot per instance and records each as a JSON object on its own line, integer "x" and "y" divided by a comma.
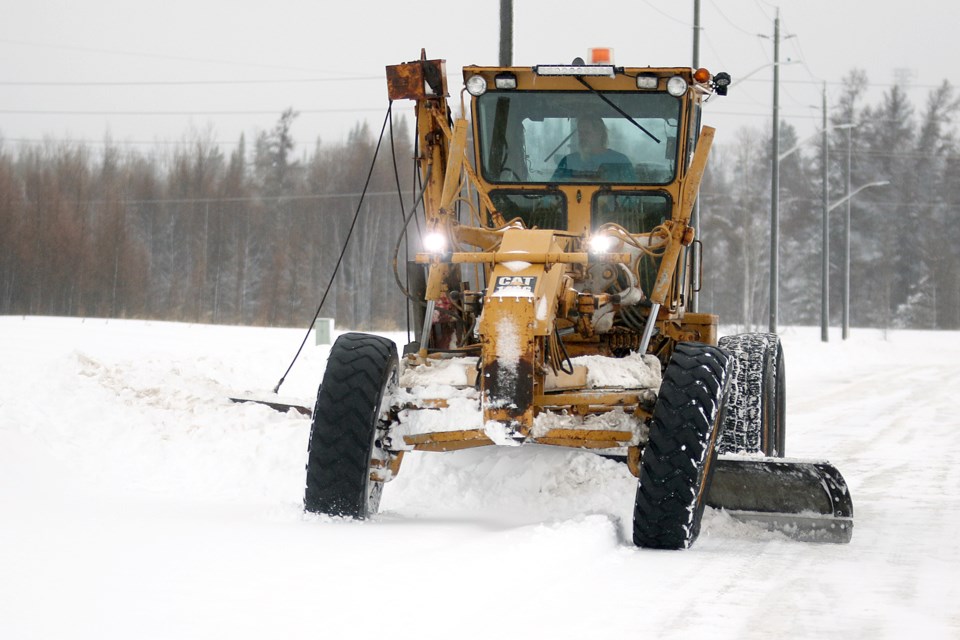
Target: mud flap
{"x": 806, "y": 500}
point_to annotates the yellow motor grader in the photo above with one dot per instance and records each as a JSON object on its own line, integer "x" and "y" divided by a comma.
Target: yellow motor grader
{"x": 557, "y": 267}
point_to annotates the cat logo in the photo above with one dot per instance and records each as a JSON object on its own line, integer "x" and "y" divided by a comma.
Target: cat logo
{"x": 526, "y": 283}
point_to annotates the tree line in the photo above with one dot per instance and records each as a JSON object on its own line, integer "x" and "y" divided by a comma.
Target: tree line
{"x": 200, "y": 235}
{"x": 252, "y": 236}
{"x": 904, "y": 235}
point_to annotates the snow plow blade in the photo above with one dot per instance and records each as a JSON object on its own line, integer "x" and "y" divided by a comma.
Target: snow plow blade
{"x": 277, "y": 403}
{"x": 806, "y": 500}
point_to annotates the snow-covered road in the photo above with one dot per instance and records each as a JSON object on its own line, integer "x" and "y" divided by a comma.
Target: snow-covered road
{"x": 138, "y": 502}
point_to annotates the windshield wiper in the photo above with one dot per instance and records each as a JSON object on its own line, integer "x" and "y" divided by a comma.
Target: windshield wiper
{"x": 562, "y": 142}
{"x": 619, "y": 110}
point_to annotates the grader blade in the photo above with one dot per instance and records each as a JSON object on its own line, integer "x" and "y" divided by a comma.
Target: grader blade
{"x": 806, "y": 500}
{"x": 277, "y": 403}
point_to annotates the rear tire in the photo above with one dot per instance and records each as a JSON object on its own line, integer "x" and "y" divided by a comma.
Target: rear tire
{"x": 677, "y": 463}
{"x": 348, "y": 424}
{"x": 756, "y": 399}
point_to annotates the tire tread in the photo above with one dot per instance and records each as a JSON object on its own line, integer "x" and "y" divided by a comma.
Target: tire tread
{"x": 682, "y": 435}
{"x": 344, "y": 424}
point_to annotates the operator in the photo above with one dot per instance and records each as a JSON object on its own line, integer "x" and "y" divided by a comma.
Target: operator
{"x": 594, "y": 160}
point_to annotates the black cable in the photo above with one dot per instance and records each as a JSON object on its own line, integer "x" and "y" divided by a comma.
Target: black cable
{"x": 415, "y": 182}
{"x": 417, "y": 176}
{"x": 343, "y": 251}
{"x": 396, "y": 249}
{"x": 406, "y": 247}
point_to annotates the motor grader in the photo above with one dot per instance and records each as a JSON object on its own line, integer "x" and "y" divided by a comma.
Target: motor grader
{"x": 553, "y": 291}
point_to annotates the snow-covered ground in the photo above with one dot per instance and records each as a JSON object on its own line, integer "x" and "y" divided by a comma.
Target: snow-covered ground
{"x": 136, "y": 501}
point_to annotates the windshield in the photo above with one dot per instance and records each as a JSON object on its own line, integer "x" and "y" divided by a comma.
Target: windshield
{"x": 577, "y": 137}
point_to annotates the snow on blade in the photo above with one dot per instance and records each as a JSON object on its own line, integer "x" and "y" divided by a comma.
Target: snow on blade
{"x": 444, "y": 380}
{"x": 448, "y": 372}
{"x": 635, "y": 371}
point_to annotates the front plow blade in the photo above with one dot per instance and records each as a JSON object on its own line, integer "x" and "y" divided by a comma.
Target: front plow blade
{"x": 277, "y": 403}
{"x": 806, "y": 500}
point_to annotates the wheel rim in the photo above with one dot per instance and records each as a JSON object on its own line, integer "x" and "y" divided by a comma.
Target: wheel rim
{"x": 373, "y": 489}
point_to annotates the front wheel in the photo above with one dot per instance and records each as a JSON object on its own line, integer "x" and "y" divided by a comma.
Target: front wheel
{"x": 348, "y": 426}
{"x": 677, "y": 463}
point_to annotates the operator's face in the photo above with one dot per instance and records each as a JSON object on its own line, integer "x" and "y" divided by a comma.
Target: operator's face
{"x": 589, "y": 137}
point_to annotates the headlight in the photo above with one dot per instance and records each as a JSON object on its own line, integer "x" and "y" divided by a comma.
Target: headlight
{"x": 647, "y": 81}
{"x": 721, "y": 82}
{"x": 505, "y": 81}
{"x": 676, "y": 86}
{"x": 435, "y": 242}
{"x": 600, "y": 243}
{"x": 476, "y": 85}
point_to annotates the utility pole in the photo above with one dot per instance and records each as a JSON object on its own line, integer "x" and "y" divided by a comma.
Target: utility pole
{"x": 696, "y": 34}
{"x": 775, "y": 183}
{"x": 846, "y": 243}
{"x": 825, "y": 239}
{"x": 695, "y": 262}
{"x": 506, "y": 33}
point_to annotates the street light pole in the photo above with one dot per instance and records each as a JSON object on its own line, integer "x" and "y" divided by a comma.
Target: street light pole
{"x": 825, "y": 235}
{"x": 846, "y": 276}
{"x": 846, "y": 244}
{"x": 775, "y": 183}
{"x": 695, "y": 259}
{"x": 506, "y": 33}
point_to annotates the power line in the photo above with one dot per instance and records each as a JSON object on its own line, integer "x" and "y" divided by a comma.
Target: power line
{"x": 85, "y": 141}
{"x": 667, "y": 15}
{"x": 803, "y": 61}
{"x": 160, "y": 56}
{"x": 760, "y": 113}
{"x": 861, "y": 153}
{"x": 717, "y": 8}
{"x": 153, "y": 83}
{"x": 763, "y": 11}
{"x": 232, "y": 199}
{"x": 841, "y": 83}
{"x": 713, "y": 47}
{"x": 57, "y": 112}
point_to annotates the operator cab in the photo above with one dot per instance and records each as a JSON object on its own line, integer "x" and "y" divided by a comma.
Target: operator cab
{"x": 573, "y": 147}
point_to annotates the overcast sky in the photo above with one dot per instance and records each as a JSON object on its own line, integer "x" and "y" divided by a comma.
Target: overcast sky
{"x": 155, "y": 71}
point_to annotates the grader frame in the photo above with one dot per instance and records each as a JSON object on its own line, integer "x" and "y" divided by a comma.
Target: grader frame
{"x": 562, "y": 298}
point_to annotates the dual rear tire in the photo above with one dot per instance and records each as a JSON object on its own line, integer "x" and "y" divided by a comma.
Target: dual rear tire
{"x": 755, "y": 420}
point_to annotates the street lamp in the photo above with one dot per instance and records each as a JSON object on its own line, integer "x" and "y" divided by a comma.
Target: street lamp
{"x": 761, "y": 68}
{"x": 825, "y": 234}
{"x": 792, "y": 150}
{"x": 846, "y": 257}
{"x": 879, "y": 183}
{"x": 845, "y": 332}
